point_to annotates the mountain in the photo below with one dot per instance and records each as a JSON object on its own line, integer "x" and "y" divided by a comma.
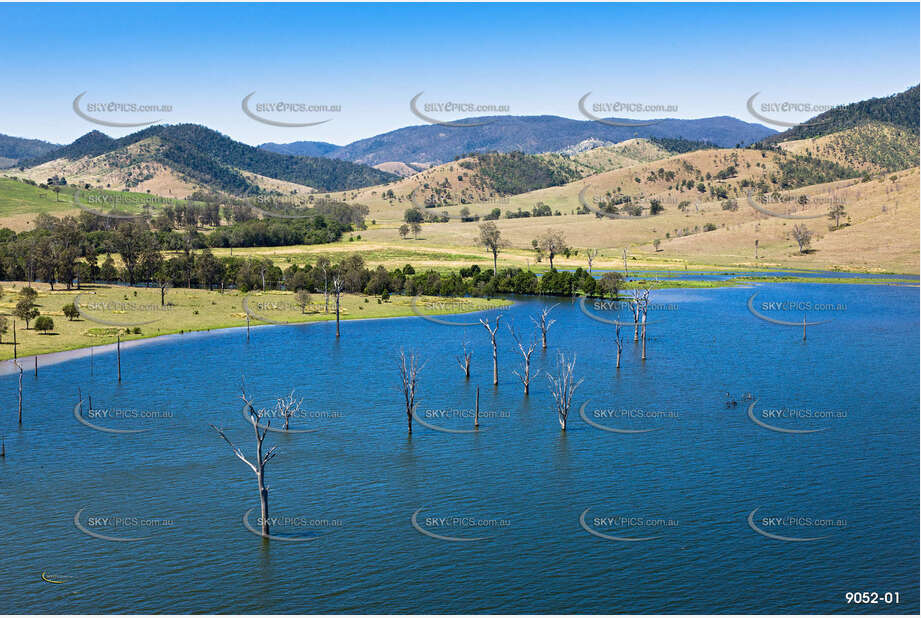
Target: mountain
{"x": 12, "y": 149}
{"x": 204, "y": 158}
{"x": 900, "y": 110}
{"x": 435, "y": 144}
{"x": 301, "y": 149}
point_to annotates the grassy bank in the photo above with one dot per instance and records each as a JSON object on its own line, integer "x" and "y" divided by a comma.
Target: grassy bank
{"x": 136, "y": 313}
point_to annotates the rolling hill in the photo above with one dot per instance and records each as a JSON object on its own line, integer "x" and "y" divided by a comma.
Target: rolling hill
{"x": 900, "y": 110}
{"x": 14, "y": 149}
{"x": 194, "y": 157}
{"x": 870, "y": 147}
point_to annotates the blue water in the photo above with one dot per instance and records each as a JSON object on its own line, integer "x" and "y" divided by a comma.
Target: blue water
{"x": 704, "y": 470}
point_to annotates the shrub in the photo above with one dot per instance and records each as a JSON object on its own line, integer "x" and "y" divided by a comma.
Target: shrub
{"x": 44, "y": 323}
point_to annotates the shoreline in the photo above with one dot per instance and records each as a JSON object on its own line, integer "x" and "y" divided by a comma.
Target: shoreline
{"x": 7, "y": 366}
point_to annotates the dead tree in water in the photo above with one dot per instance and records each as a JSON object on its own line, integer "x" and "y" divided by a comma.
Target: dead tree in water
{"x": 476, "y": 410}
{"x": 804, "y": 326}
{"x": 286, "y": 407}
{"x": 464, "y": 361}
{"x": 543, "y": 322}
{"x": 644, "y": 308}
{"x": 338, "y": 286}
{"x": 19, "y": 367}
{"x": 258, "y": 465}
{"x": 495, "y": 354}
{"x": 409, "y": 379}
{"x": 563, "y": 386}
{"x": 526, "y": 350}
{"x": 635, "y": 308}
{"x": 619, "y": 341}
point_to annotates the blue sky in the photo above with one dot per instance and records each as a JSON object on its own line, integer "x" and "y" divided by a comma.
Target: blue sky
{"x": 371, "y": 59}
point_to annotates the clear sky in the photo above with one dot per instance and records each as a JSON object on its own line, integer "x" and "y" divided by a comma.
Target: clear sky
{"x": 371, "y": 59}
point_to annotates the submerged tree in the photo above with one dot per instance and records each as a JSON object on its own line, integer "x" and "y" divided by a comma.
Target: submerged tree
{"x": 543, "y": 322}
{"x": 526, "y": 350}
{"x": 338, "y": 286}
{"x": 635, "y": 308}
{"x": 619, "y": 342}
{"x": 286, "y": 407}
{"x": 259, "y": 463}
{"x": 643, "y": 308}
{"x": 409, "y": 380}
{"x": 495, "y": 354}
{"x": 563, "y": 386}
{"x": 464, "y": 361}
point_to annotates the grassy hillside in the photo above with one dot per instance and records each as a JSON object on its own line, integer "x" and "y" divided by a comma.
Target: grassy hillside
{"x": 900, "y": 110}
{"x": 872, "y": 147}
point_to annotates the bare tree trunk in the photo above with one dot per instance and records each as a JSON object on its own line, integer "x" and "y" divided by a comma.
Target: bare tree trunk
{"x": 636, "y": 318}
{"x": 118, "y": 356}
{"x": 591, "y": 254}
{"x": 464, "y": 361}
{"x": 258, "y": 465}
{"x": 20, "y": 391}
{"x": 620, "y": 343}
{"x": 562, "y": 387}
{"x": 476, "y": 410}
{"x": 804, "y": 326}
{"x": 409, "y": 377}
{"x": 338, "y": 285}
{"x": 525, "y": 374}
{"x": 644, "y": 335}
{"x": 495, "y": 354}
{"x": 543, "y": 323}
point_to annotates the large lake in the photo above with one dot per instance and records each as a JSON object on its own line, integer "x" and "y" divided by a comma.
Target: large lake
{"x": 710, "y": 511}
